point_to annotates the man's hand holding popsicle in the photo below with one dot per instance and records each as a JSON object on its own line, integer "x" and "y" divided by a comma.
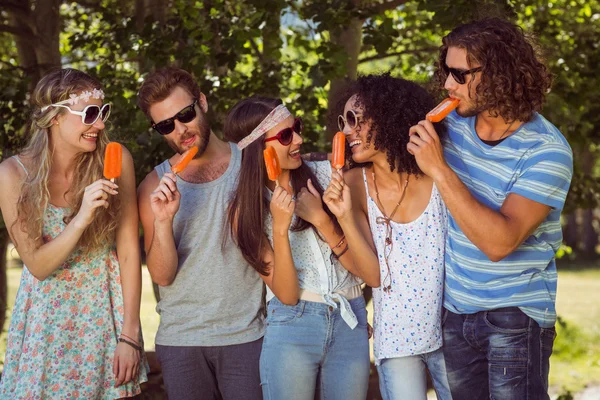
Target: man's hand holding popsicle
{"x": 165, "y": 199}
{"x": 425, "y": 143}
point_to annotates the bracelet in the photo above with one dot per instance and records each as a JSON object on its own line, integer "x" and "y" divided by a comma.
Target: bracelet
{"x": 342, "y": 253}
{"x": 130, "y": 338}
{"x": 341, "y": 242}
{"x": 135, "y": 346}
{"x": 337, "y": 256}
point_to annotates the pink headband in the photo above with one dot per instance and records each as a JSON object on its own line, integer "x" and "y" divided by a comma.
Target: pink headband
{"x": 275, "y": 117}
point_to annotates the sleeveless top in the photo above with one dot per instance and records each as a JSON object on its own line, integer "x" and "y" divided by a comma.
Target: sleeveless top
{"x": 407, "y": 319}
{"x": 317, "y": 271}
{"x": 216, "y": 298}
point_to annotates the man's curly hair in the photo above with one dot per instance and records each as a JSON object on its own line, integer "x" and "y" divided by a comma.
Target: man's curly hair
{"x": 514, "y": 80}
{"x": 392, "y": 105}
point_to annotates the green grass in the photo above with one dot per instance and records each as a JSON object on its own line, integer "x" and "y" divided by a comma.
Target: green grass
{"x": 575, "y": 362}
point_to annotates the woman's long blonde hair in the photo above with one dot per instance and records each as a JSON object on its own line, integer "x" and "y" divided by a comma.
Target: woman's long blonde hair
{"x": 35, "y": 196}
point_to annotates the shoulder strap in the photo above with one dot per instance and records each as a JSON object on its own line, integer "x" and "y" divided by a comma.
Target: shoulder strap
{"x": 21, "y": 164}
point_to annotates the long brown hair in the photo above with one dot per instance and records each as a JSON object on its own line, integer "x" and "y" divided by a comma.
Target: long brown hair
{"x": 249, "y": 206}
{"x": 514, "y": 79}
{"x": 35, "y": 196}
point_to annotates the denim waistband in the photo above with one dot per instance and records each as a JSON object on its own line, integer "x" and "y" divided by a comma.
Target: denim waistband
{"x": 315, "y": 307}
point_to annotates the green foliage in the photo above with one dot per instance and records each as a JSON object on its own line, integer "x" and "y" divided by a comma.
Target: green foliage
{"x": 569, "y": 344}
{"x": 291, "y": 49}
{"x": 565, "y": 396}
{"x": 569, "y": 34}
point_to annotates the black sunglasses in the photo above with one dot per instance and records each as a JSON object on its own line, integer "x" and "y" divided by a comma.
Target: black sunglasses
{"x": 351, "y": 120}
{"x": 459, "y": 75}
{"x": 286, "y": 135}
{"x": 186, "y": 115}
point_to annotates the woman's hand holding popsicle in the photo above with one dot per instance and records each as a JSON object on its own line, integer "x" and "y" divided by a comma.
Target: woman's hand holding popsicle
{"x": 337, "y": 196}
{"x": 165, "y": 199}
{"x": 282, "y": 209}
{"x": 309, "y": 206}
{"x": 95, "y": 195}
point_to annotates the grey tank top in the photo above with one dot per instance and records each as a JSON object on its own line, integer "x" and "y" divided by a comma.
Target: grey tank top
{"x": 216, "y": 298}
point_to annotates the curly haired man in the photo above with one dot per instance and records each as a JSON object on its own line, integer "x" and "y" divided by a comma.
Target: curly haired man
{"x": 504, "y": 172}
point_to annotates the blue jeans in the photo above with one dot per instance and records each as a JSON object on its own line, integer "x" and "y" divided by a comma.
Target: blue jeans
{"x": 405, "y": 377}
{"x": 308, "y": 349}
{"x": 497, "y": 354}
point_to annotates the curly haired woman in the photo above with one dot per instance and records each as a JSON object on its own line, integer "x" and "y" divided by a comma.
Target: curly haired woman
{"x": 395, "y": 223}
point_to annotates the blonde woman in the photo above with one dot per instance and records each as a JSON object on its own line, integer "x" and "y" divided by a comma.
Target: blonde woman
{"x": 75, "y": 328}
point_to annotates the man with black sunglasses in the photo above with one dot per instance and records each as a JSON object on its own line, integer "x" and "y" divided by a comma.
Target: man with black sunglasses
{"x": 211, "y": 309}
{"x": 504, "y": 172}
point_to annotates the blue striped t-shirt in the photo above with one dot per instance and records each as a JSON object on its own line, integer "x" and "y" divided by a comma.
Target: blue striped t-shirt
{"x": 535, "y": 162}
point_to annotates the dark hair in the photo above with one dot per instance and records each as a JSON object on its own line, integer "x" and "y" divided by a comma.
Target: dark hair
{"x": 248, "y": 205}
{"x": 514, "y": 81}
{"x": 392, "y": 105}
{"x": 159, "y": 85}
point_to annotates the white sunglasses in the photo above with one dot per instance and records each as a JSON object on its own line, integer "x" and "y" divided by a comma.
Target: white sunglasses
{"x": 90, "y": 114}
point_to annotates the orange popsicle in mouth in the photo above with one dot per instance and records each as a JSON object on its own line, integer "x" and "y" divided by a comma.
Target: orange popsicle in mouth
{"x": 442, "y": 110}
{"x": 338, "y": 152}
{"x": 272, "y": 164}
{"x": 113, "y": 158}
{"x": 184, "y": 160}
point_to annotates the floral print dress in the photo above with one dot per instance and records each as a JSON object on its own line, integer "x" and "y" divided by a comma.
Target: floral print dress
{"x": 63, "y": 331}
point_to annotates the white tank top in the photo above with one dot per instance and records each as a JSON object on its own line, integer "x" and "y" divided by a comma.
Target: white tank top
{"x": 407, "y": 318}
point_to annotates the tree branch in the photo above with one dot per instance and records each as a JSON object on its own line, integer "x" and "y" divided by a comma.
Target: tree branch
{"x": 14, "y": 7}
{"x": 399, "y": 53}
{"x": 257, "y": 51}
{"x": 94, "y": 5}
{"x": 25, "y": 33}
{"x": 379, "y": 8}
{"x": 14, "y": 67}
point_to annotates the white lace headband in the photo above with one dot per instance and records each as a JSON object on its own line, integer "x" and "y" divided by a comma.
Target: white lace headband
{"x": 275, "y": 117}
{"x": 74, "y": 98}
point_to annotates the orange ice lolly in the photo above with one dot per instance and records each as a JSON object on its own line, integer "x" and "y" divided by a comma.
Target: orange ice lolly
{"x": 442, "y": 109}
{"x": 272, "y": 164}
{"x": 184, "y": 160}
{"x": 113, "y": 156}
{"x": 338, "y": 152}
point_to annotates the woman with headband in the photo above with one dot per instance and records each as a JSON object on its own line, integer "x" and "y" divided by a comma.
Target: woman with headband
{"x": 75, "y": 328}
{"x": 316, "y": 341}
